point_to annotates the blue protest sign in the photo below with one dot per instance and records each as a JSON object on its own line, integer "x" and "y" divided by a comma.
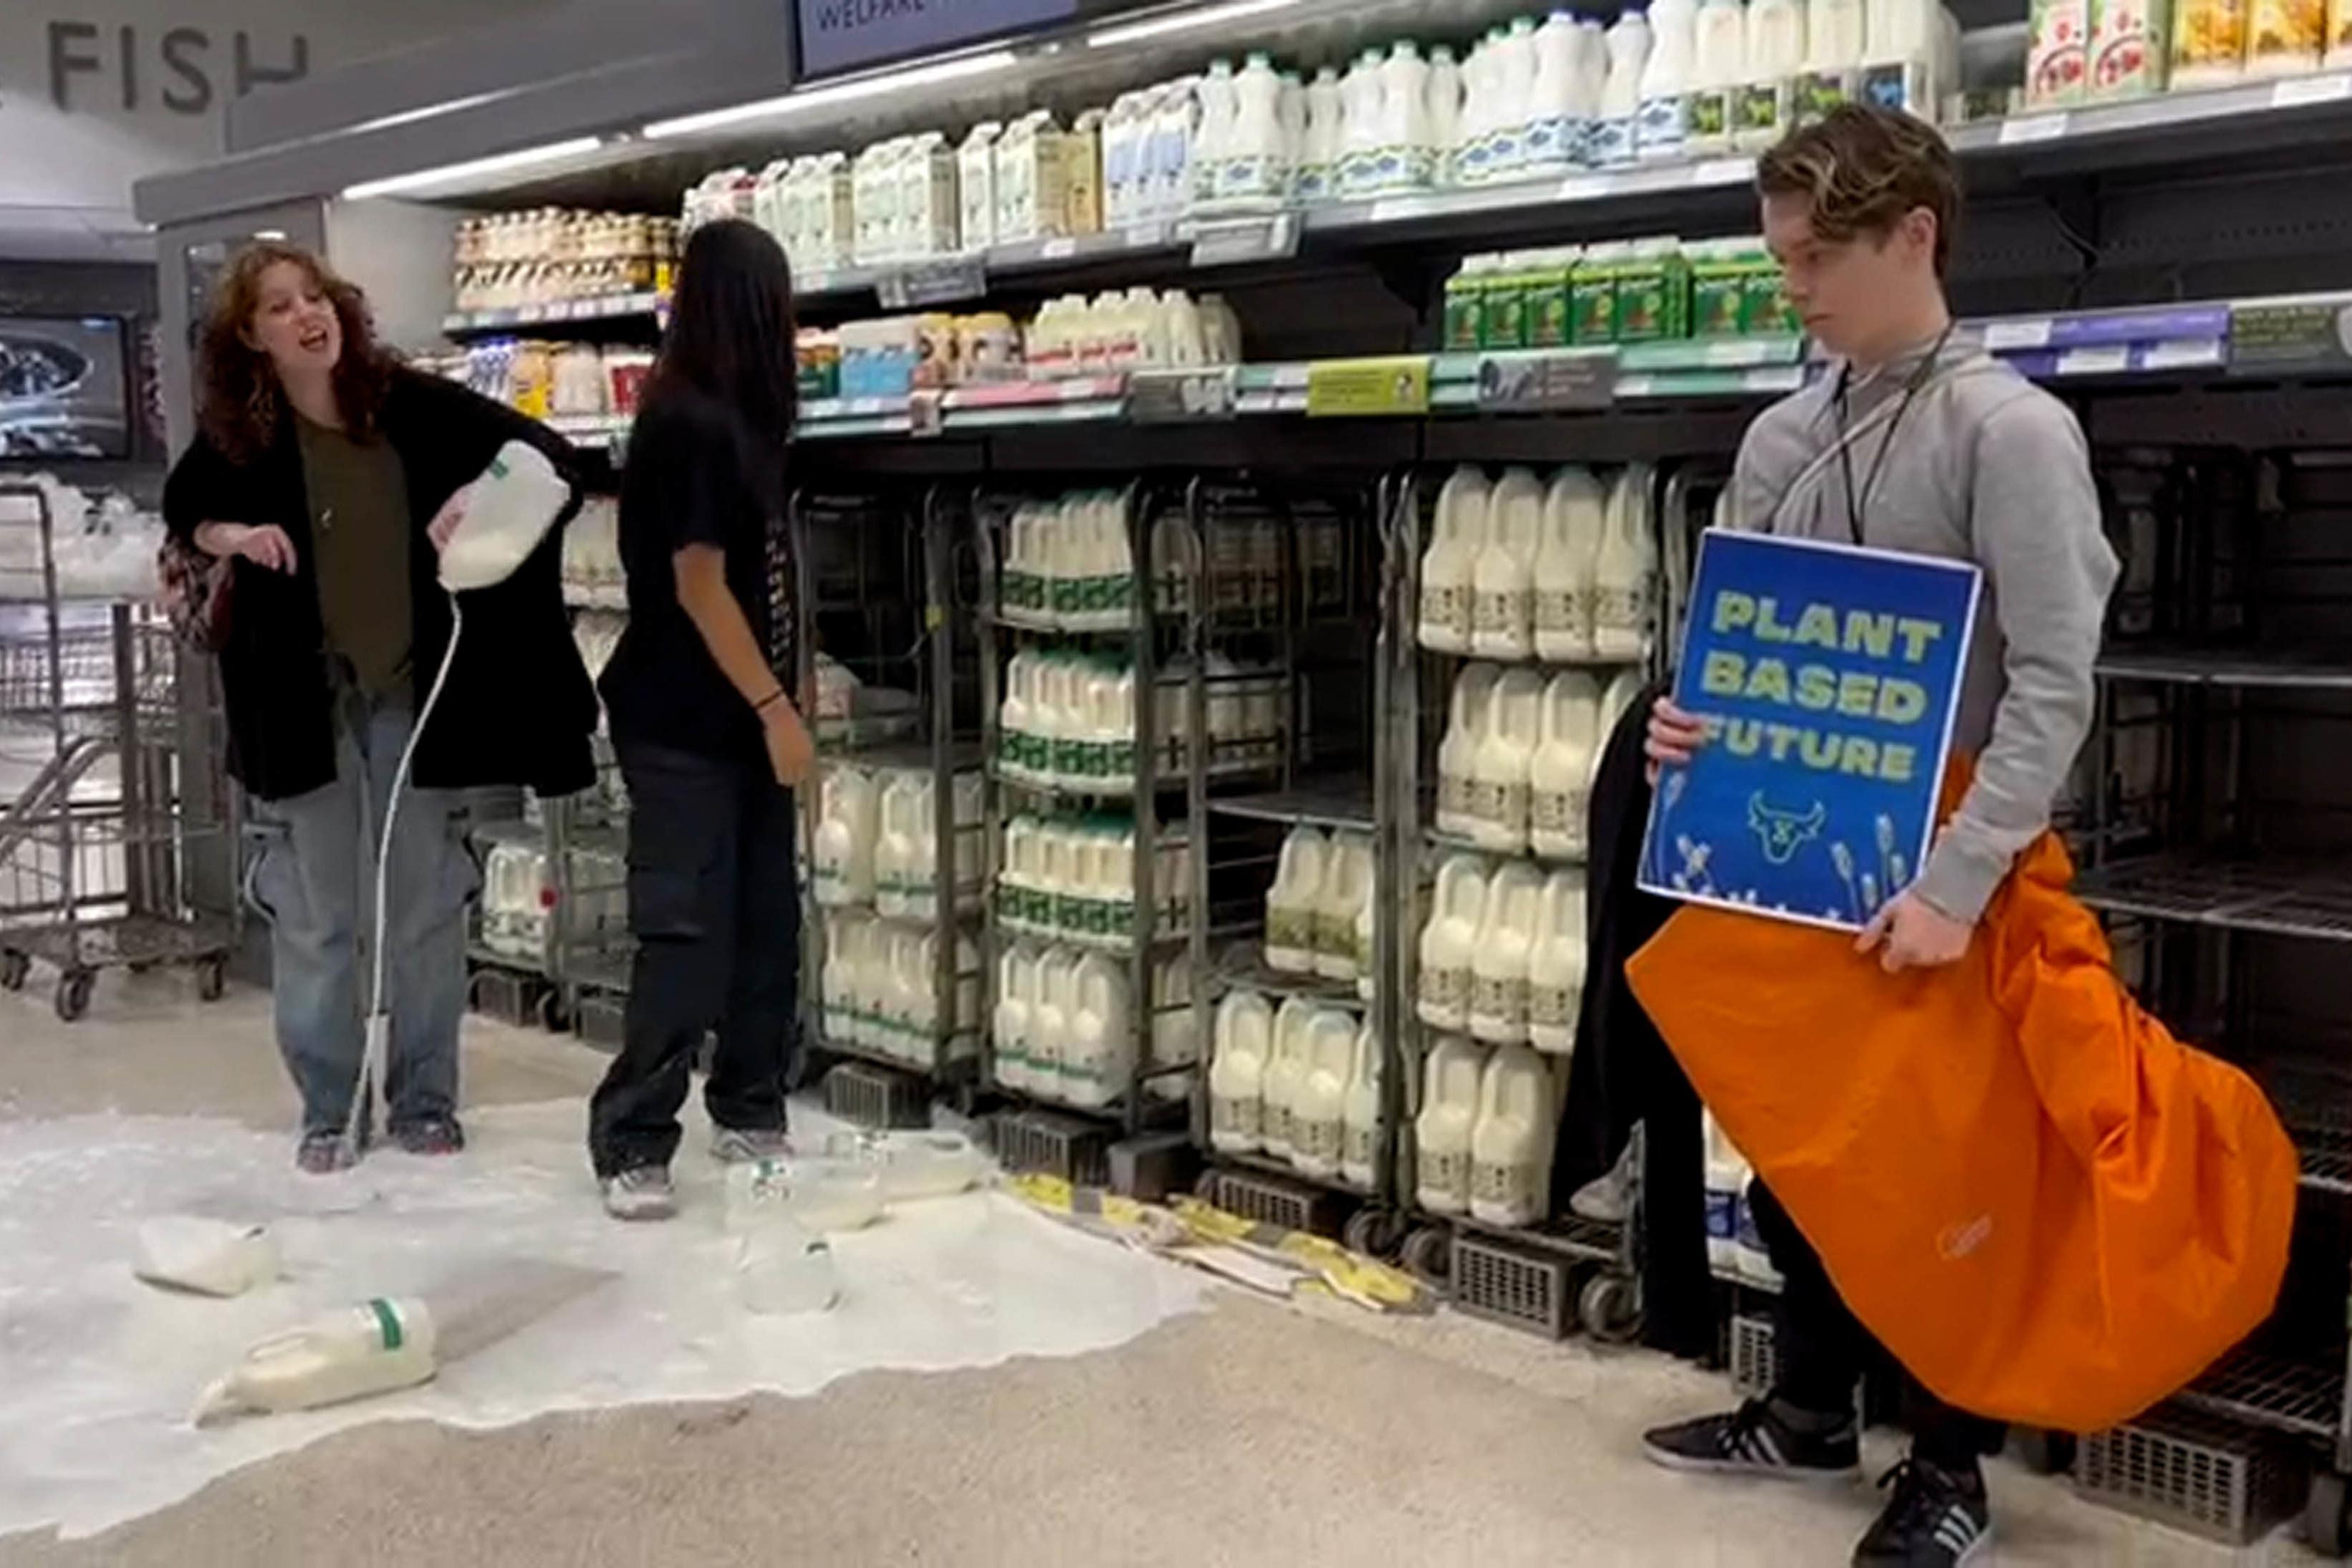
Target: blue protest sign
{"x": 1830, "y": 679}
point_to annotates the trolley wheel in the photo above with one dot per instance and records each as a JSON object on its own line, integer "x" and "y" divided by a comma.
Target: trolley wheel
{"x": 1210, "y": 1187}
{"x": 1428, "y": 1255}
{"x": 1610, "y": 1308}
{"x": 212, "y": 979}
{"x": 16, "y": 968}
{"x": 553, "y": 1016}
{"x": 73, "y": 993}
{"x": 2324, "y": 1523}
{"x": 1374, "y": 1232}
{"x": 2044, "y": 1452}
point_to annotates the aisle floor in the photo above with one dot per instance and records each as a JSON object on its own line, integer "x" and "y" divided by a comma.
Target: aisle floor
{"x": 1248, "y": 1433}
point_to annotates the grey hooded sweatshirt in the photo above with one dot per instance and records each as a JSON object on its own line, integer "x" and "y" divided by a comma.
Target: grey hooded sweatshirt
{"x": 1982, "y": 466}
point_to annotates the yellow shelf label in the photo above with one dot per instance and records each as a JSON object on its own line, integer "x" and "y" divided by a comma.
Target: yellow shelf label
{"x": 1394, "y": 383}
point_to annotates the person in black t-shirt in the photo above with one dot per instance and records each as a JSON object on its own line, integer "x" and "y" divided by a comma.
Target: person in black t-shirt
{"x": 703, "y": 717}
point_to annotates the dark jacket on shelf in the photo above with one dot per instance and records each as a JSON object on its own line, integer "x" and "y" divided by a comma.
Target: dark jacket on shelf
{"x": 1622, "y": 1072}
{"x": 517, "y": 708}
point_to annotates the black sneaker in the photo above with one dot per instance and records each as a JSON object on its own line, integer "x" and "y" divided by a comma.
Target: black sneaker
{"x": 433, "y": 1137}
{"x": 1935, "y": 1519}
{"x": 1753, "y": 1441}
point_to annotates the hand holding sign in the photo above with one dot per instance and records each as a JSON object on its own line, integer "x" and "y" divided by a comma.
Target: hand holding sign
{"x": 1798, "y": 761}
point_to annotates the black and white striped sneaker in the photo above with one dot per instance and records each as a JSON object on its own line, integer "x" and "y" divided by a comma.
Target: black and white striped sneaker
{"x": 1754, "y": 1441}
{"x": 1935, "y": 1519}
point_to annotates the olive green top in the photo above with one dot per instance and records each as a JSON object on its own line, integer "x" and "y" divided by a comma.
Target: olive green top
{"x": 359, "y": 538}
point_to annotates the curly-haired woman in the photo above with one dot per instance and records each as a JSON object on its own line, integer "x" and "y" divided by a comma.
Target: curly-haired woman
{"x": 330, "y": 473}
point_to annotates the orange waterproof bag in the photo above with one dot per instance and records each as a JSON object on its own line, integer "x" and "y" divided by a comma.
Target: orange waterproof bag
{"x": 2047, "y": 1207}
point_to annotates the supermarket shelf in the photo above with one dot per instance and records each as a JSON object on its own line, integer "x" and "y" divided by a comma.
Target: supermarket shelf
{"x": 2304, "y": 900}
{"x": 1244, "y": 965}
{"x": 2326, "y": 1166}
{"x": 850, "y": 1049}
{"x": 606, "y": 309}
{"x": 2279, "y": 109}
{"x": 1459, "y": 843}
{"x": 2273, "y": 1392}
{"x": 1571, "y": 1236}
{"x": 1338, "y": 804}
{"x": 1287, "y": 1172}
{"x": 2283, "y": 668}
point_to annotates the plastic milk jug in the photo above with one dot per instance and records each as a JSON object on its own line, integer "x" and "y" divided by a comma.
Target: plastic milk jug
{"x": 1559, "y": 779}
{"x": 1720, "y": 66}
{"x": 1575, "y": 511}
{"x": 1448, "y": 1119}
{"x": 1285, "y": 1073}
{"x": 1050, "y": 1019}
{"x": 843, "y": 938}
{"x": 1098, "y": 1065}
{"x": 1361, "y": 1116}
{"x": 1449, "y": 942}
{"x": 1556, "y": 972}
{"x": 1615, "y": 698}
{"x": 1213, "y": 139}
{"x": 1776, "y": 56}
{"x": 976, "y": 185}
{"x": 1449, "y": 566}
{"x": 1367, "y": 934}
{"x": 1500, "y": 773}
{"x": 1318, "y": 160}
{"x": 1727, "y": 1186}
{"x": 1515, "y": 98}
{"x": 1319, "y": 1129}
{"x": 1664, "y": 129}
{"x": 1505, "y": 943}
{"x": 1293, "y": 904}
{"x": 1511, "y": 1146}
{"x": 1443, "y": 93}
{"x": 373, "y": 1348}
{"x": 1554, "y": 136}
{"x": 1503, "y": 574}
{"x": 1613, "y": 139}
{"x": 1836, "y": 36}
{"x": 1457, "y": 754}
{"x": 1347, "y": 884}
{"x": 1408, "y": 150}
{"x": 1237, "y": 1064}
{"x": 1175, "y": 147}
{"x": 845, "y": 838}
{"x": 1254, "y": 173}
{"x": 921, "y": 884}
{"x": 1626, "y": 572}
{"x": 1016, "y": 1006}
{"x": 1124, "y": 136}
{"x": 1359, "y": 124}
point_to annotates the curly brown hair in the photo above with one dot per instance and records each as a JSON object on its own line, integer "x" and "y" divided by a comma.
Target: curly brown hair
{"x": 239, "y": 403}
{"x": 1861, "y": 168}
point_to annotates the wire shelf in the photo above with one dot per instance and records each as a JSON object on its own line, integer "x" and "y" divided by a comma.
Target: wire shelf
{"x": 2309, "y": 669}
{"x": 1339, "y": 804}
{"x": 1244, "y": 964}
{"x": 2308, "y": 900}
{"x": 2273, "y": 1392}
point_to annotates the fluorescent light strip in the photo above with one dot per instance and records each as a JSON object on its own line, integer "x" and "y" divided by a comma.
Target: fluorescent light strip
{"x": 808, "y": 100}
{"x": 1181, "y": 22}
{"x": 472, "y": 169}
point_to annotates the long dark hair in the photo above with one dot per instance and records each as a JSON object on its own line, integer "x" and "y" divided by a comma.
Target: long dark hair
{"x": 731, "y": 330}
{"x": 239, "y": 403}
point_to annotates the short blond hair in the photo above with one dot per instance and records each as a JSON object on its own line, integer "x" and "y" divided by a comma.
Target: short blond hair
{"x": 1860, "y": 169}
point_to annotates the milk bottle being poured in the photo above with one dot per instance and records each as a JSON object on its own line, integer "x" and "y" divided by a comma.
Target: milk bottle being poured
{"x": 1664, "y": 126}
{"x": 1574, "y": 518}
{"x": 1614, "y": 138}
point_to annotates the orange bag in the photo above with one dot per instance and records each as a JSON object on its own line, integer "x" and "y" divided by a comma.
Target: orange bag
{"x": 2048, "y": 1209}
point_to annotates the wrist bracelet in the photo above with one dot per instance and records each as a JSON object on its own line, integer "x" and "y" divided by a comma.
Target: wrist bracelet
{"x": 770, "y": 700}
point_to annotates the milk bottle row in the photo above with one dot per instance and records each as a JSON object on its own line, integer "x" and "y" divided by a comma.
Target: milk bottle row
{"x": 1068, "y": 565}
{"x": 1131, "y": 330}
{"x": 1566, "y": 572}
{"x": 1515, "y": 766}
{"x": 1502, "y": 955}
{"x": 1064, "y": 1027}
{"x": 1073, "y": 878}
{"x": 876, "y": 839}
{"x": 1299, "y": 1083}
{"x": 1483, "y": 1139}
{"x": 1622, "y": 291}
{"x": 1068, "y": 719}
{"x": 1321, "y": 911}
{"x": 519, "y": 900}
{"x": 879, "y": 990}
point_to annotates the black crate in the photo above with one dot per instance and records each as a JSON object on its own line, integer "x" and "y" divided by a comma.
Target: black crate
{"x": 1050, "y": 1144}
{"x": 2192, "y": 1471}
{"x": 1519, "y": 1287}
{"x": 875, "y": 1097}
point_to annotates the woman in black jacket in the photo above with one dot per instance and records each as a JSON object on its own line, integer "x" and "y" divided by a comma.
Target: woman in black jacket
{"x": 700, "y": 691}
{"x": 330, "y": 473}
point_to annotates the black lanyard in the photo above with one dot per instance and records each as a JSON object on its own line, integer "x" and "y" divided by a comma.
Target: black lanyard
{"x": 1857, "y": 503}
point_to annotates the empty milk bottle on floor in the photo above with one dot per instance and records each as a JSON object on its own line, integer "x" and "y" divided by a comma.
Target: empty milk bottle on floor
{"x": 1506, "y": 944}
{"x": 373, "y": 1348}
{"x": 1457, "y": 754}
{"x": 1448, "y": 1119}
{"x": 1243, "y": 1037}
{"x": 1457, "y": 533}
{"x": 1449, "y": 941}
{"x": 1361, "y": 1116}
{"x": 1499, "y": 814}
{"x": 1626, "y": 572}
{"x": 1575, "y": 517}
{"x": 1318, "y": 1127}
{"x": 1503, "y": 574}
{"x": 1559, "y": 779}
{"x": 1293, "y": 904}
{"x": 1510, "y": 1147}
{"x": 1556, "y": 970}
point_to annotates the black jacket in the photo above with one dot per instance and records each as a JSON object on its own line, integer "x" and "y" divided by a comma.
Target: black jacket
{"x": 517, "y": 708}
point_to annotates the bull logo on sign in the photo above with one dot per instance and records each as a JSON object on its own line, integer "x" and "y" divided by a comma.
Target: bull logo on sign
{"x": 1783, "y": 834}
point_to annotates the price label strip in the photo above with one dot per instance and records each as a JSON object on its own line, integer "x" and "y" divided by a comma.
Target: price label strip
{"x": 1548, "y": 382}
{"x": 933, "y": 283}
{"x": 1181, "y": 397}
{"x": 1391, "y": 384}
{"x": 1232, "y": 242}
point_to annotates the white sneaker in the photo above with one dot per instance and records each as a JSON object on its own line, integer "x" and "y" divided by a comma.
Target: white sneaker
{"x": 643, "y": 1192}
{"x": 744, "y": 1145}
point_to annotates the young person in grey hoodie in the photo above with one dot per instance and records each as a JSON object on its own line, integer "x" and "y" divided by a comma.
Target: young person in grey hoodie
{"x": 1914, "y": 441}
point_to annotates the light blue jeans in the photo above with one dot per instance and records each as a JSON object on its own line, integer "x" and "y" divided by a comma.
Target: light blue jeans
{"x": 313, "y": 880}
